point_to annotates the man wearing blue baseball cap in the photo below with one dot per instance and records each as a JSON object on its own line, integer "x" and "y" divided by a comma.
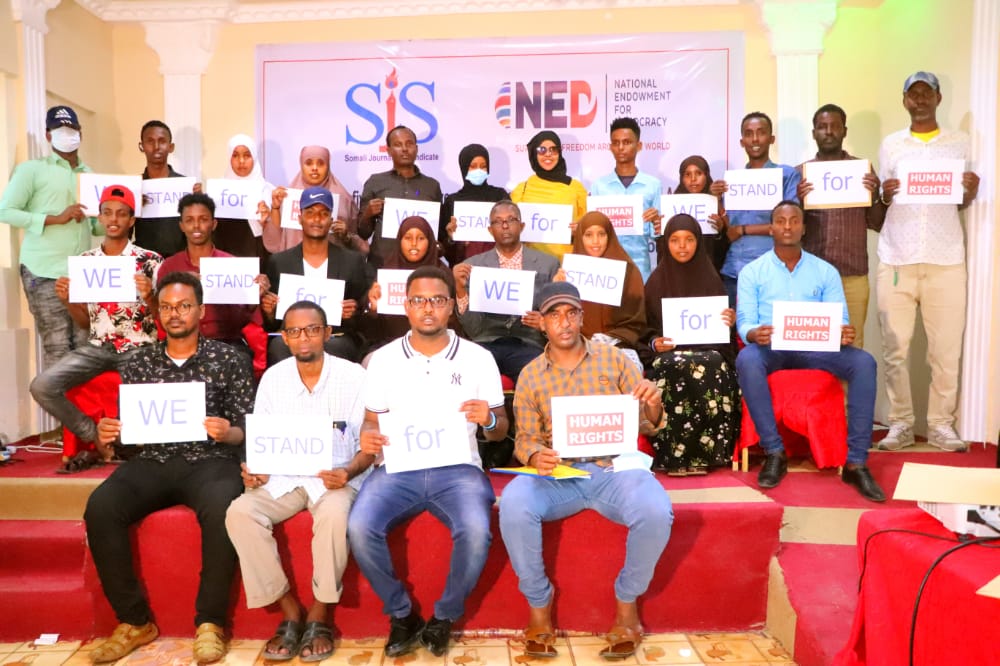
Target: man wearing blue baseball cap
{"x": 317, "y": 258}
{"x": 41, "y": 199}
{"x": 921, "y": 253}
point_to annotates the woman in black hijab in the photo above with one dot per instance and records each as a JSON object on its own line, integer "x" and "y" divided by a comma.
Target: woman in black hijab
{"x": 474, "y": 161}
{"x": 698, "y": 382}
{"x": 550, "y": 184}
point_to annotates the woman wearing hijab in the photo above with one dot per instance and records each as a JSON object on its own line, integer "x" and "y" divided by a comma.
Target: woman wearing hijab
{"x": 695, "y": 177}
{"x": 623, "y": 324}
{"x": 237, "y": 237}
{"x": 698, "y": 381}
{"x": 314, "y": 171}
{"x": 550, "y": 184}
{"x": 474, "y": 161}
{"x": 416, "y": 247}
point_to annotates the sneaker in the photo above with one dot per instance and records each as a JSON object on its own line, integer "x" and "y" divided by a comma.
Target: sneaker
{"x": 944, "y": 437}
{"x": 900, "y": 436}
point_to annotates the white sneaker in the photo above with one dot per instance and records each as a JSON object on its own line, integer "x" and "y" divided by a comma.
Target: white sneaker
{"x": 944, "y": 437}
{"x": 900, "y": 436}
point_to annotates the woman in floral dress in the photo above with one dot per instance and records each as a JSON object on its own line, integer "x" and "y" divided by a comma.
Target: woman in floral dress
{"x": 700, "y": 392}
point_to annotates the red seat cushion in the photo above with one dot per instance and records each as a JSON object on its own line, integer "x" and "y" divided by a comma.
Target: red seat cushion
{"x": 809, "y": 411}
{"x": 96, "y": 398}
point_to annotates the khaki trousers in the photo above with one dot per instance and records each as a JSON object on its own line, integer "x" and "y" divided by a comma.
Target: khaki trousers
{"x": 856, "y": 292}
{"x": 250, "y": 520}
{"x": 940, "y": 293}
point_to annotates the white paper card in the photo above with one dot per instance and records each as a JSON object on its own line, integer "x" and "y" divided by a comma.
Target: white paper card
{"x": 806, "y": 326}
{"x": 394, "y": 211}
{"x": 328, "y": 294}
{"x": 92, "y": 184}
{"x": 162, "y": 413}
{"x": 594, "y": 425}
{"x": 160, "y": 196}
{"x": 230, "y": 280}
{"x": 930, "y": 181}
{"x": 421, "y": 439}
{"x": 546, "y": 223}
{"x": 837, "y": 184}
{"x": 473, "y": 221}
{"x": 624, "y": 211}
{"x": 298, "y": 445}
{"x": 698, "y": 206}
{"x": 235, "y": 199}
{"x": 599, "y": 280}
{"x": 695, "y": 321}
{"x": 392, "y": 282}
{"x": 501, "y": 290}
{"x": 290, "y": 209}
{"x": 102, "y": 279}
{"x": 753, "y": 189}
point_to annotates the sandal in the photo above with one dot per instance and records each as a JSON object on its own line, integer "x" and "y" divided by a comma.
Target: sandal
{"x": 697, "y": 470}
{"x": 313, "y": 631}
{"x": 125, "y": 639}
{"x": 622, "y": 642}
{"x": 680, "y": 471}
{"x": 209, "y": 643}
{"x": 286, "y": 637}
{"x": 83, "y": 460}
{"x": 540, "y": 642}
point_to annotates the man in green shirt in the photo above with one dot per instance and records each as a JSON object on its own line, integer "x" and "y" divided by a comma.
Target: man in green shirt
{"x": 41, "y": 199}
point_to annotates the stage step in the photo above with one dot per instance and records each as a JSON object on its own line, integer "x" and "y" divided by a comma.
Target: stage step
{"x": 822, "y": 583}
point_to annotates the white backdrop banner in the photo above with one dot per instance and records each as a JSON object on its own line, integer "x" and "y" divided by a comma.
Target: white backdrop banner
{"x": 684, "y": 89}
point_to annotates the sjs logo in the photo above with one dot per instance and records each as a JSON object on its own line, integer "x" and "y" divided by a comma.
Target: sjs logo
{"x": 545, "y": 104}
{"x": 380, "y": 107}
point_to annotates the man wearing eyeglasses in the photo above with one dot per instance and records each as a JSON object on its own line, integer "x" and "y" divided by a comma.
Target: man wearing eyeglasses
{"x": 202, "y": 475}
{"x": 571, "y": 365}
{"x": 429, "y": 371}
{"x": 513, "y": 341}
{"x": 316, "y": 257}
{"x": 117, "y": 330}
{"x": 312, "y": 382}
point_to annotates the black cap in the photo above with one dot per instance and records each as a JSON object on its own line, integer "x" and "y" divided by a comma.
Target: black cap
{"x": 558, "y": 293}
{"x": 61, "y": 116}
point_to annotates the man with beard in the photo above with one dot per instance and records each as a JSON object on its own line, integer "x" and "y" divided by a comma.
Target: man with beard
{"x": 431, "y": 374}
{"x": 202, "y": 475}
{"x": 312, "y": 382}
{"x": 317, "y": 257}
{"x": 840, "y": 235}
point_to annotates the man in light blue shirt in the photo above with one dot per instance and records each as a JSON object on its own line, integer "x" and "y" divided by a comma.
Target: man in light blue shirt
{"x": 787, "y": 273}
{"x": 748, "y": 229}
{"x": 626, "y": 179}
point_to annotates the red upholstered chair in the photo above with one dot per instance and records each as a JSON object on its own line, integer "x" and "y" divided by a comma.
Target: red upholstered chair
{"x": 96, "y": 398}
{"x": 809, "y": 410}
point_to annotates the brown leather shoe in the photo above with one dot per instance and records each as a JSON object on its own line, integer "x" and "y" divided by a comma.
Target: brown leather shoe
{"x": 124, "y": 640}
{"x": 209, "y": 643}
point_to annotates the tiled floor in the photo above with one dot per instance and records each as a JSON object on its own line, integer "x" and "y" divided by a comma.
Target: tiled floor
{"x": 737, "y": 649}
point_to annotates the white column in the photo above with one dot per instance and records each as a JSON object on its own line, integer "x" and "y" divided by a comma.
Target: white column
{"x": 797, "y": 29}
{"x": 983, "y": 243}
{"x": 31, "y": 15}
{"x": 185, "y": 48}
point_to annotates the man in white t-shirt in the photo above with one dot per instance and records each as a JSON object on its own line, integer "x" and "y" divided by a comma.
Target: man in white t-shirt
{"x": 921, "y": 255}
{"x": 427, "y": 375}
{"x": 311, "y": 382}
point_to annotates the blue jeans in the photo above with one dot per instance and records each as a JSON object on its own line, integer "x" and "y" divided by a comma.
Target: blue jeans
{"x": 75, "y": 368}
{"x": 460, "y": 496}
{"x": 853, "y": 365}
{"x": 511, "y": 355}
{"x": 730, "y": 284}
{"x": 633, "y": 498}
{"x": 55, "y": 326}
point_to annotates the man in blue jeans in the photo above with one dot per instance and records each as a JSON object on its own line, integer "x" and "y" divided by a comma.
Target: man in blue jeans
{"x": 787, "y": 273}
{"x": 429, "y": 371}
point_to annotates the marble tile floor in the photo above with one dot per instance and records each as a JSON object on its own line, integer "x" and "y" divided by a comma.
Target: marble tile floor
{"x": 737, "y": 649}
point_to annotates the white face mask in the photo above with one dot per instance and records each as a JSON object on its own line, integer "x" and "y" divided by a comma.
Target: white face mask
{"x": 477, "y": 176}
{"x": 65, "y": 139}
